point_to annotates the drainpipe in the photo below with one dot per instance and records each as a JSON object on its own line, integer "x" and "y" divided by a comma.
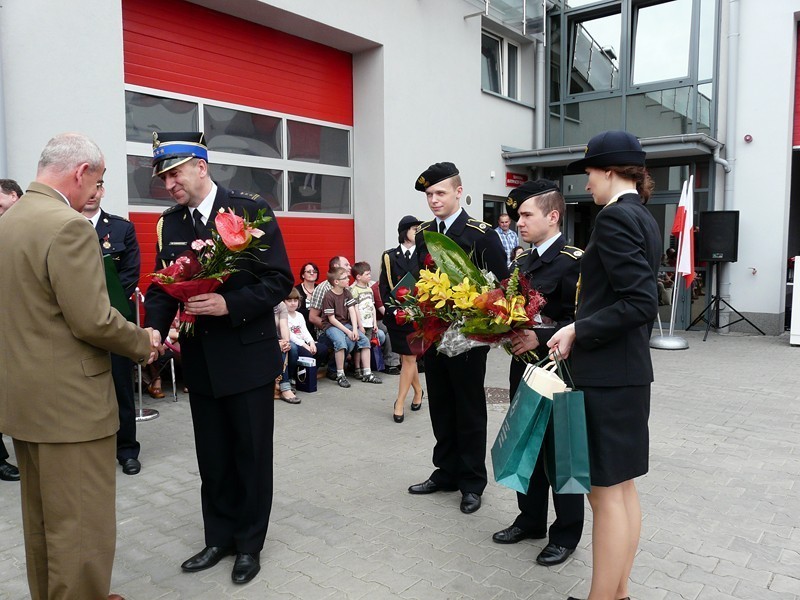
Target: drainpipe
{"x": 3, "y": 155}
{"x": 724, "y": 284}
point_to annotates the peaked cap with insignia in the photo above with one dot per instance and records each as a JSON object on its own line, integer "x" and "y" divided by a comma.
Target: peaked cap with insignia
{"x": 171, "y": 149}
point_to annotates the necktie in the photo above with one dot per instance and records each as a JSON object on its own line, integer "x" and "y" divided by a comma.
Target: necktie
{"x": 441, "y": 227}
{"x": 408, "y": 254}
{"x": 199, "y": 228}
{"x": 535, "y": 254}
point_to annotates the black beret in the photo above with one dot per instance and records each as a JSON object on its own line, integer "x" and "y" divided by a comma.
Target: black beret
{"x": 434, "y": 174}
{"x": 173, "y": 148}
{"x": 610, "y": 148}
{"x": 407, "y": 223}
{"x": 529, "y": 189}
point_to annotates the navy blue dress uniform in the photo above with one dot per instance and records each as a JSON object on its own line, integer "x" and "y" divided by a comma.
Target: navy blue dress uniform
{"x": 394, "y": 266}
{"x": 554, "y": 274}
{"x": 457, "y": 401}
{"x": 118, "y": 239}
{"x": 617, "y": 304}
{"x": 230, "y": 364}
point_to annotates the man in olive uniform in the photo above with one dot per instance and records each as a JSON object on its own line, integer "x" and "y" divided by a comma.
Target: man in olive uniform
{"x": 231, "y": 360}
{"x": 455, "y": 384}
{"x": 551, "y": 267}
{"x": 118, "y": 238}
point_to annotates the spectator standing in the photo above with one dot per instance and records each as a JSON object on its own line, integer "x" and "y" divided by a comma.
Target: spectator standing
{"x": 57, "y": 327}
{"x": 10, "y": 192}
{"x": 508, "y": 237}
{"x": 455, "y": 384}
{"x": 118, "y": 240}
{"x": 231, "y": 361}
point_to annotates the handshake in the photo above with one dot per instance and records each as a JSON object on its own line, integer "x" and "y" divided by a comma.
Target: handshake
{"x": 158, "y": 347}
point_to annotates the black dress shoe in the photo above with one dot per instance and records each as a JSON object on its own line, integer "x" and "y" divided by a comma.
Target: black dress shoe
{"x": 245, "y": 568}
{"x": 429, "y": 487}
{"x": 553, "y": 554}
{"x": 470, "y": 502}
{"x": 392, "y": 370}
{"x": 206, "y": 558}
{"x": 418, "y": 406}
{"x": 131, "y": 466}
{"x": 8, "y": 472}
{"x": 514, "y": 534}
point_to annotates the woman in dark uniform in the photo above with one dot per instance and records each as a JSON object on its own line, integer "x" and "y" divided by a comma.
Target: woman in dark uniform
{"x": 395, "y": 263}
{"x": 609, "y": 344}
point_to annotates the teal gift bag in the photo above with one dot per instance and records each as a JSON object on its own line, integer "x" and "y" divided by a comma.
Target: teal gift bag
{"x": 568, "y": 454}
{"x": 519, "y": 440}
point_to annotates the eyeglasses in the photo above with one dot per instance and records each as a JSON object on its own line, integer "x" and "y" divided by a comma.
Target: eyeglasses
{"x": 345, "y": 278}
{"x": 310, "y": 271}
{"x": 99, "y": 184}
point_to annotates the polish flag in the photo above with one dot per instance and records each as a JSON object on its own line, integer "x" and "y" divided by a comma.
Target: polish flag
{"x": 683, "y": 228}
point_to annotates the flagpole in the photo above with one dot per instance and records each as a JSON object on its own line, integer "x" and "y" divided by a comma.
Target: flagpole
{"x": 671, "y": 341}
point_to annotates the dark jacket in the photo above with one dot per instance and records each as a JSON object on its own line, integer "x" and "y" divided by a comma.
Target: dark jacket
{"x": 617, "y": 297}
{"x": 398, "y": 267}
{"x": 239, "y": 351}
{"x": 118, "y": 239}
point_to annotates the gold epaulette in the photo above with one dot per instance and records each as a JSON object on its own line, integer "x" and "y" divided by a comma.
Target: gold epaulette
{"x": 425, "y": 225}
{"x": 479, "y": 225}
{"x": 572, "y": 252}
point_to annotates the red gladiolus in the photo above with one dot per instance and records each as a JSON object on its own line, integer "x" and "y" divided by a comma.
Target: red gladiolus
{"x": 235, "y": 234}
{"x": 429, "y": 263}
{"x": 401, "y": 293}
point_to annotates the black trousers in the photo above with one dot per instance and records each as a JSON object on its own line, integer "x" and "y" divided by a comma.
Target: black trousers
{"x": 566, "y": 530}
{"x": 122, "y": 374}
{"x": 233, "y": 441}
{"x": 3, "y": 451}
{"x": 457, "y": 406}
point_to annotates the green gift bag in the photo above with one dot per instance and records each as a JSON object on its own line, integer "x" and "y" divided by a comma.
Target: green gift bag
{"x": 569, "y": 450}
{"x": 519, "y": 440}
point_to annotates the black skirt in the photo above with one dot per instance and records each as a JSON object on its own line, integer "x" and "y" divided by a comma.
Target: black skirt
{"x": 619, "y": 437}
{"x": 398, "y": 335}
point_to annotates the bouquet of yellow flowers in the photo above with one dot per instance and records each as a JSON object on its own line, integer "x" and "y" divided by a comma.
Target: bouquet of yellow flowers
{"x": 456, "y": 306}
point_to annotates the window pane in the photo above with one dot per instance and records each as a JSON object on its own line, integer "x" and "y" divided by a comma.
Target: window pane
{"x": 143, "y": 188}
{"x": 318, "y": 144}
{"x": 311, "y": 192}
{"x": 554, "y": 127}
{"x": 661, "y": 41}
{"x": 586, "y": 119}
{"x": 708, "y": 21}
{"x": 594, "y": 54}
{"x": 265, "y": 182}
{"x": 704, "y": 96}
{"x": 669, "y": 179}
{"x": 242, "y": 132}
{"x": 512, "y": 71}
{"x": 145, "y": 114}
{"x": 664, "y": 112}
{"x": 490, "y": 64}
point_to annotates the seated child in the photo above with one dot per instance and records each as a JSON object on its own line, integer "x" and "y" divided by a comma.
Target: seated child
{"x": 300, "y": 338}
{"x": 340, "y": 323}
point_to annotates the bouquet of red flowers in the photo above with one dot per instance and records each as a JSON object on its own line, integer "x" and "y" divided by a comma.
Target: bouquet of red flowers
{"x": 456, "y": 306}
{"x": 209, "y": 263}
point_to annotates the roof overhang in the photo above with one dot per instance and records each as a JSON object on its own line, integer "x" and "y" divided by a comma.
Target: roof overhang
{"x": 668, "y": 146}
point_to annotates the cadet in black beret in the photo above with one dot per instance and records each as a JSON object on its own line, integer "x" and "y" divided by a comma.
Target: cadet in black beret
{"x": 455, "y": 384}
{"x": 231, "y": 361}
{"x": 551, "y": 267}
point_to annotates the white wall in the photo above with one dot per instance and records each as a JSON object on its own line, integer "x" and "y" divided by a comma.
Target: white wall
{"x": 762, "y": 169}
{"x": 63, "y": 71}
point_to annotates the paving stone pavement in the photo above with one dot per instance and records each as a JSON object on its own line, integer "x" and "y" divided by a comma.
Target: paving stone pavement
{"x": 720, "y": 503}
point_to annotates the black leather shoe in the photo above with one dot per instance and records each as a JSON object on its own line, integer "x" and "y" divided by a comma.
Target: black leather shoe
{"x": 245, "y": 568}
{"x": 206, "y": 558}
{"x": 429, "y": 487}
{"x": 470, "y": 502}
{"x": 553, "y": 554}
{"x": 418, "y": 406}
{"x": 8, "y": 472}
{"x": 131, "y": 466}
{"x": 514, "y": 534}
{"x": 392, "y": 370}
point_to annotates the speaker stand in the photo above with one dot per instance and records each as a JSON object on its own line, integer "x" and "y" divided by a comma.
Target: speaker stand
{"x": 713, "y": 308}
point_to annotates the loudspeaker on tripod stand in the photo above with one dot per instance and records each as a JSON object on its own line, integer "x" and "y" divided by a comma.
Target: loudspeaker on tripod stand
{"x": 719, "y": 236}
